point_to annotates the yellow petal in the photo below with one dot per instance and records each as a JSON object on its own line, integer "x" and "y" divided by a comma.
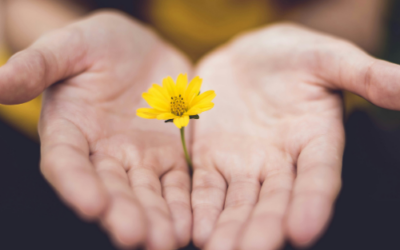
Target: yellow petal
{"x": 168, "y": 83}
{"x": 203, "y": 105}
{"x": 193, "y": 111}
{"x": 184, "y": 120}
{"x": 193, "y": 89}
{"x": 181, "y": 121}
{"x": 166, "y": 116}
{"x": 155, "y": 102}
{"x": 147, "y": 113}
{"x": 200, "y": 108}
{"x": 206, "y": 107}
{"x": 177, "y": 122}
{"x": 163, "y": 91}
{"x": 181, "y": 83}
{"x": 157, "y": 91}
{"x": 203, "y": 98}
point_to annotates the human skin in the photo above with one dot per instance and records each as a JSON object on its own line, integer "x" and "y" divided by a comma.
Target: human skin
{"x": 27, "y": 20}
{"x": 90, "y": 134}
{"x": 361, "y": 22}
{"x": 267, "y": 159}
{"x": 105, "y": 162}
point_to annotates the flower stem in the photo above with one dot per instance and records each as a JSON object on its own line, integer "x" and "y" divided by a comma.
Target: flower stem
{"x": 188, "y": 160}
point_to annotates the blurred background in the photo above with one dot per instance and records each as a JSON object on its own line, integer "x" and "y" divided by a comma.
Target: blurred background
{"x": 367, "y": 210}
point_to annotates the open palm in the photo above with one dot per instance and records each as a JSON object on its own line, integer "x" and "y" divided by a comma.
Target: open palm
{"x": 268, "y": 158}
{"x": 104, "y": 161}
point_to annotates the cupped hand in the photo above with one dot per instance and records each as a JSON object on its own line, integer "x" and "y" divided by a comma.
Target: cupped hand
{"x": 268, "y": 157}
{"x": 104, "y": 161}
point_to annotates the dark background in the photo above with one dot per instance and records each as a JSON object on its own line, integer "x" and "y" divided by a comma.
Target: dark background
{"x": 367, "y": 212}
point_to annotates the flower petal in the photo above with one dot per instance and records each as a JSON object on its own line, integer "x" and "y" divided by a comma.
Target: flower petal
{"x": 169, "y": 84}
{"x": 181, "y": 83}
{"x": 159, "y": 92}
{"x": 200, "y": 108}
{"x": 184, "y": 120}
{"x": 147, "y": 113}
{"x": 155, "y": 102}
{"x": 177, "y": 122}
{"x": 203, "y": 98}
{"x": 193, "y": 89}
{"x": 206, "y": 107}
{"x": 166, "y": 116}
{"x": 193, "y": 111}
{"x": 181, "y": 121}
{"x": 162, "y": 90}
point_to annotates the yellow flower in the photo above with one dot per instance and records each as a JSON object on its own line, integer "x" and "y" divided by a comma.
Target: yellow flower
{"x": 178, "y": 102}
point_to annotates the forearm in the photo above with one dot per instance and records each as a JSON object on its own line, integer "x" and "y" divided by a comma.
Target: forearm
{"x": 360, "y": 21}
{"x": 26, "y": 20}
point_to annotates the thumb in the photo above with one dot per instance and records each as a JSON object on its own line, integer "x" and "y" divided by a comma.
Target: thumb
{"x": 348, "y": 67}
{"x": 51, "y": 58}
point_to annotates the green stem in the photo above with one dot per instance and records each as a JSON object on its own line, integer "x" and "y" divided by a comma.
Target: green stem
{"x": 188, "y": 160}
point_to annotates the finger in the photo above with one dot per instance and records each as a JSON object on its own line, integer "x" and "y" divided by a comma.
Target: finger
{"x": 124, "y": 218}
{"x": 347, "y": 67}
{"x": 147, "y": 188}
{"x": 66, "y": 166}
{"x": 265, "y": 227}
{"x": 51, "y": 58}
{"x": 241, "y": 197}
{"x": 176, "y": 191}
{"x": 316, "y": 187}
{"x": 208, "y": 197}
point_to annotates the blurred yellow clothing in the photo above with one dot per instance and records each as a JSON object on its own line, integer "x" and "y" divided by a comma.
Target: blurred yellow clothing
{"x": 196, "y": 27}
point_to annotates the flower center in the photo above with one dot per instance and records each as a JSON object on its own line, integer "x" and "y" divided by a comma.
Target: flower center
{"x": 177, "y": 105}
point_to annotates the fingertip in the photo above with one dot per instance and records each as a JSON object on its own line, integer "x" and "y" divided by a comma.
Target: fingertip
{"x": 128, "y": 241}
{"x": 91, "y": 204}
{"x": 199, "y": 241}
{"x": 161, "y": 235}
{"x": 166, "y": 245}
{"x": 201, "y": 232}
{"x": 80, "y": 190}
{"x": 125, "y": 222}
{"x": 183, "y": 241}
{"x": 307, "y": 219}
{"x": 159, "y": 240}
{"x": 208, "y": 197}
{"x": 183, "y": 227}
{"x": 182, "y": 223}
{"x": 263, "y": 232}
{"x": 176, "y": 191}
{"x": 381, "y": 84}
{"x": 22, "y": 78}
